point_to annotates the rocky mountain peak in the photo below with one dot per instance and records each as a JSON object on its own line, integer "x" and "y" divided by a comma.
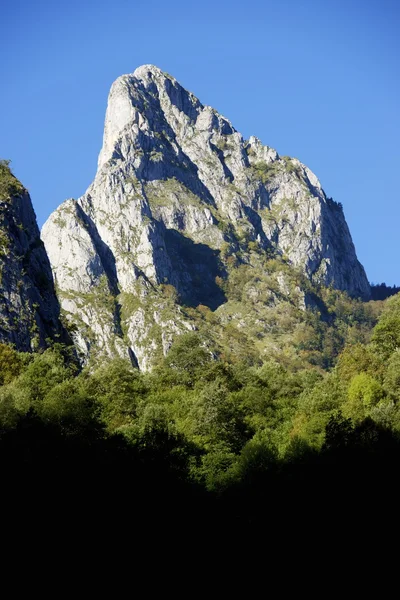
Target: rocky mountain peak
{"x": 179, "y": 200}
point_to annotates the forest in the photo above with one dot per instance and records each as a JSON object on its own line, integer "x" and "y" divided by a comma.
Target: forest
{"x": 206, "y": 438}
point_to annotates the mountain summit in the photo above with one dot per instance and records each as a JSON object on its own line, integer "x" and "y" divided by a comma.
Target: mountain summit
{"x": 180, "y": 206}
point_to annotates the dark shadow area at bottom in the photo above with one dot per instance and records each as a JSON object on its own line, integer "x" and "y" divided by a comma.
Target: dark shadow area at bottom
{"x": 84, "y": 486}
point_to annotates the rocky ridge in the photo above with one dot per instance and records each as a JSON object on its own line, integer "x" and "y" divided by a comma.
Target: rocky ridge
{"x": 180, "y": 200}
{"x": 29, "y": 310}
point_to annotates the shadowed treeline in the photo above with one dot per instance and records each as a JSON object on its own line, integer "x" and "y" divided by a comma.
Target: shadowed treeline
{"x": 99, "y": 482}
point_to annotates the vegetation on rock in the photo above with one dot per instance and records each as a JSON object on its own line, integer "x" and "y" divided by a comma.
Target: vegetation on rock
{"x": 9, "y": 185}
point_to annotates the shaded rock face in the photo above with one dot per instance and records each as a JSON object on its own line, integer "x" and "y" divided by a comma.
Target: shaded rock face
{"x": 29, "y": 309}
{"x": 177, "y": 191}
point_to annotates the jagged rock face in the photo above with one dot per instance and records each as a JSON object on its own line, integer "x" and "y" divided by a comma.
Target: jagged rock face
{"x": 29, "y": 309}
{"x": 178, "y": 191}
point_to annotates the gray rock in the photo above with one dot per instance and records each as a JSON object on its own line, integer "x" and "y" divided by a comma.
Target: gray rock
{"x": 176, "y": 184}
{"x": 29, "y": 309}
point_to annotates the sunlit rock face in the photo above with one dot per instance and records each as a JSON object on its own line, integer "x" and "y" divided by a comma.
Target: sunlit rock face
{"x": 177, "y": 192}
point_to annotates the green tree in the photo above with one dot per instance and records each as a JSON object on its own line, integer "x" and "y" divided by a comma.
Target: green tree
{"x": 364, "y": 393}
{"x": 392, "y": 376}
{"x": 386, "y": 335}
{"x": 359, "y": 359}
{"x": 189, "y": 354}
{"x": 116, "y": 387}
{"x": 70, "y": 408}
{"x": 214, "y": 418}
{"x": 10, "y": 364}
{"x": 45, "y": 371}
{"x": 315, "y": 408}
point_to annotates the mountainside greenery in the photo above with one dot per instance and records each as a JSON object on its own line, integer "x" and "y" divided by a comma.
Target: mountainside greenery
{"x": 272, "y": 311}
{"x": 266, "y": 309}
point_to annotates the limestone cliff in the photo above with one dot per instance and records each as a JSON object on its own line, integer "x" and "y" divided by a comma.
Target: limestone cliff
{"x": 29, "y": 310}
{"x": 179, "y": 199}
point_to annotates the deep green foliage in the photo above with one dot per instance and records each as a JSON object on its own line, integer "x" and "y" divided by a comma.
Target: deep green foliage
{"x": 10, "y": 364}
{"x": 387, "y": 333}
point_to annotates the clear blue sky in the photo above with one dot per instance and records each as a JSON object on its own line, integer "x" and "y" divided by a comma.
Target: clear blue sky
{"x": 318, "y": 80}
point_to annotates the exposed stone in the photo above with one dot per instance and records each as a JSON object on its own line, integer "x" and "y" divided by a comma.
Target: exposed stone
{"x": 176, "y": 184}
{"x": 29, "y": 309}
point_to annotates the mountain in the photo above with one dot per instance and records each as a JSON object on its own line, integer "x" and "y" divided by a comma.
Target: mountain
{"x": 29, "y": 309}
{"x": 187, "y": 222}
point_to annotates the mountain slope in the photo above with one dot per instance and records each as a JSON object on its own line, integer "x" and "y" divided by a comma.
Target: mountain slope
{"x": 29, "y": 310}
{"x": 180, "y": 200}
